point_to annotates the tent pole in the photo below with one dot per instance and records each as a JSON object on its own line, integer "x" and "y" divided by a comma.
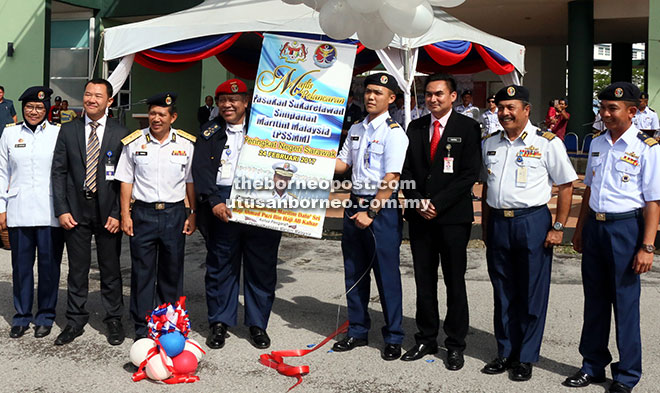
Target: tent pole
{"x": 406, "y": 76}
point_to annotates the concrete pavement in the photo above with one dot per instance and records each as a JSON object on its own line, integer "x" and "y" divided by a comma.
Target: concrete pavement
{"x": 309, "y": 306}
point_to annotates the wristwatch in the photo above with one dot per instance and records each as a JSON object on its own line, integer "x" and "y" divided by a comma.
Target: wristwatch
{"x": 558, "y": 226}
{"x": 371, "y": 213}
{"x": 648, "y": 248}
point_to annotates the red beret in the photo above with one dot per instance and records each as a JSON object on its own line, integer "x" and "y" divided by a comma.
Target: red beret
{"x": 232, "y": 86}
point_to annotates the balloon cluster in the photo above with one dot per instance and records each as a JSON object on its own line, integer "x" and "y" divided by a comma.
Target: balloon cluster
{"x": 168, "y": 354}
{"x": 375, "y": 21}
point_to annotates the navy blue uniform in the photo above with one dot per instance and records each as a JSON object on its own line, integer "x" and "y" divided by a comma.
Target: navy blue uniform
{"x": 230, "y": 245}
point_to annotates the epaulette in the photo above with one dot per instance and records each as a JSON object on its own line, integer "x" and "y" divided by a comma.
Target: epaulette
{"x": 644, "y": 137}
{"x": 357, "y": 122}
{"x": 56, "y": 124}
{"x": 209, "y": 132}
{"x": 599, "y": 133}
{"x": 390, "y": 122}
{"x": 187, "y": 136}
{"x": 131, "y": 137}
{"x": 546, "y": 134}
{"x": 10, "y": 124}
{"x": 292, "y": 196}
{"x": 651, "y": 109}
{"x": 491, "y": 135}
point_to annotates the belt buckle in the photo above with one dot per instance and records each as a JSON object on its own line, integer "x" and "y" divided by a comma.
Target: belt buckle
{"x": 600, "y": 217}
{"x": 159, "y": 205}
{"x": 508, "y": 213}
{"x": 89, "y": 195}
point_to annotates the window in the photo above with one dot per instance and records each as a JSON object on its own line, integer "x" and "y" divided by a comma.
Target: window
{"x": 70, "y": 58}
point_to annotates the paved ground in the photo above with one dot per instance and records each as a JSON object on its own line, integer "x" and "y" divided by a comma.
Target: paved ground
{"x": 309, "y": 298}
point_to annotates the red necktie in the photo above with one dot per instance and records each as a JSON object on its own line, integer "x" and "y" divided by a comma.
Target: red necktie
{"x": 435, "y": 139}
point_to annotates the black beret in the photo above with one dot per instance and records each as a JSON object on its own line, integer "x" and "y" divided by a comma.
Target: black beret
{"x": 491, "y": 97}
{"x": 162, "y": 99}
{"x": 466, "y": 92}
{"x": 620, "y": 91}
{"x": 36, "y": 94}
{"x": 644, "y": 95}
{"x": 512, "y": 92}
{"x": 381, "y": 79}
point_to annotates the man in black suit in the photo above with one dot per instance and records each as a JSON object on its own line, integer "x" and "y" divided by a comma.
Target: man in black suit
{"x": 443, "y": 161}
{"x": 86, "y": 199}
{"x": 204, "y": 111}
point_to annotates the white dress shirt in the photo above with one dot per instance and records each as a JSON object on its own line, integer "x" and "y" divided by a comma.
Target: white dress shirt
{"x": 623, "y": 175}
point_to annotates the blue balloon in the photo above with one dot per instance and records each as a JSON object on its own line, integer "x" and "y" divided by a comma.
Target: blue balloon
{"x": 172, "y": 343}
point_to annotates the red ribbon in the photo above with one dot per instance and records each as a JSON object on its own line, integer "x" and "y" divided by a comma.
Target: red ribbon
{"x": 275, "y": 359}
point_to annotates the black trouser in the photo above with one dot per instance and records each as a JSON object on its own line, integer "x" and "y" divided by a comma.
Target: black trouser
{"x": 446, "y": 245}
{"x": 79, "y": 250}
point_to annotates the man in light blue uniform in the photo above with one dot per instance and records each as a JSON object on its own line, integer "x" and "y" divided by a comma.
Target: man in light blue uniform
{"x": 646, "y": 119}
{"x": 375, "y": 149}
{"x": 615, "y": 233}
{"x": 466, "y": 108}
{"x": 522, "y": 164}
{"x": 154, "y": 170}
{"x": 26, "y": 207}
{"x": 489, "y": 119}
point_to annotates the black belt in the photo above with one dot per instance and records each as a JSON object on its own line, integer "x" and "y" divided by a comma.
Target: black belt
{"x": 511, "y": 213}
{"x": 157, "y": 205}
{"x": 615, "y": 216}
{"x": 89, "y": 194}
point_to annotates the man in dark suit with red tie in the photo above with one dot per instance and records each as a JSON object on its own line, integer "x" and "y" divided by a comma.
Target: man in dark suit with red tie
{"x": 443, "y": 161}
{"x": 86, "y": 200}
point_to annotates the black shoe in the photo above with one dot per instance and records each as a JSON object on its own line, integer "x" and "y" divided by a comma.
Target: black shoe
{"x": 115, "y": 332}
{"x": 419, "y": 351}
{"x": 216, "y": 338}
{"x": 68, "y": 335}
{"x": 581, "y": 379}
{"x": 497, "y": 366}
{"x": 521, "y": 372}
{"x": 618, "y": 387}
{"x": 259, "y": 338}
{"x": 391, "y": 352}
{"x": 455, "y": 360}
{"x": 41, "y": 331}
{"x": 18, "y": 331}
{"x": 348, "y": 343}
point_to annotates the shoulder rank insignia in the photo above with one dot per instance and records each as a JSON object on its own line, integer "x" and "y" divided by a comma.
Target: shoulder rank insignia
{"x": 10, "y": 124}
{"x": 209, "y": 132}
{"x": 187, "y": 136}
{"x": 546, "y": 134}
{"x": 131, "y": 137}
{"x": 491, "y": 135}
{"x": 292, "y": 195}
{"x": 599, "y": 133}
{"x": 390, "y": 122}
{"x": 644, "y": 137}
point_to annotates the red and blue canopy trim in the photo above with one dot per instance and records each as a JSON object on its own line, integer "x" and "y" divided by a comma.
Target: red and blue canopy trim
{"x": 236, "y": 53}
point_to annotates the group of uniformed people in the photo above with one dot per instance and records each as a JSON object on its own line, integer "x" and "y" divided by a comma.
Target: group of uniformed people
{"x": 94, "y": 178}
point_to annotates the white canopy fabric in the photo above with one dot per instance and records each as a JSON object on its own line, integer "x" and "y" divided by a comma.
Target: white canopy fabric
{"x": 233, "y": 16}
{"x": 214, "y": 17}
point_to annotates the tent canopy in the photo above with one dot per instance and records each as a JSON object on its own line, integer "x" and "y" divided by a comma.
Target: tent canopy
{"x": 220, "y": 17}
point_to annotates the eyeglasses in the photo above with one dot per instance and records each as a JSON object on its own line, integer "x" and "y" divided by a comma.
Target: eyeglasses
{"x": 32, "y": 108}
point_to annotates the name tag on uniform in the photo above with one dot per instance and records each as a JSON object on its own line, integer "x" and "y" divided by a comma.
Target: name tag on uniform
{"x": 449, "y": 165}
{"x": 141, "y": 153}
{"x": 491, "y": 152}
{"x": 355, "y": 138}
{"x": 454, "y": 139}
{"x": 521, "y": 176}
{"x": 109, "y": 172}
{"x": 595, "y": 153}
{"x": 19, "y": 145}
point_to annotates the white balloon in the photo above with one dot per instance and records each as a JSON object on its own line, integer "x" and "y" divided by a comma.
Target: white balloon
{"x": 293, "y": 1}
{"x": 446, "y": 3}
{"x": 337, "y": 20}
{"x": 156, "y": 370}
{"x": 315, "y": 4}
{"x": 195, "y": 349}
{"x": 365, "y": 6}
{"x": 139, "y": 350}
{"x": 408, "y": 22}
{"x": 373, "y": 33}
{"x": 404, "y": 3}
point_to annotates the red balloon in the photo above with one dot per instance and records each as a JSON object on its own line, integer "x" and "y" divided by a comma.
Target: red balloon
{"x": 185, "y": 363}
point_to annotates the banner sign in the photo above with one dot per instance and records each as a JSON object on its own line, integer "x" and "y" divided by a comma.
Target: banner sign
{"x": 287, "y": 162}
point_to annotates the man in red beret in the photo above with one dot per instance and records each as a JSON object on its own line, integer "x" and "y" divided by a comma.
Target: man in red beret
{"x": 229, "y": 243}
